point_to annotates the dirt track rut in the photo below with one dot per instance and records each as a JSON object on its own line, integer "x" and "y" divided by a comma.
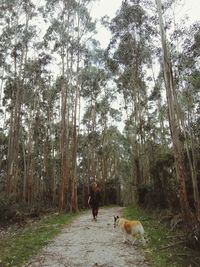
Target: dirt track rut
{"x": 86, "y": 243}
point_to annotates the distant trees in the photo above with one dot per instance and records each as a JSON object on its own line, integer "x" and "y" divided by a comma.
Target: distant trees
{"x": 129, "y": 52}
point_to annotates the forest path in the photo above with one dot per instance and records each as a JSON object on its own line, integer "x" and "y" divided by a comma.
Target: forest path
{"x": 85, "y": 243}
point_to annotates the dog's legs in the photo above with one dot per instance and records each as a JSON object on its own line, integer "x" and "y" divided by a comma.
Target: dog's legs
{"x": 133, "y": 240}
{"x": 125, "y": 237}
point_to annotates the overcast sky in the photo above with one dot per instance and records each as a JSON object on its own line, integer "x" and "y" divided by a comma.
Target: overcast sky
{"x": 109, "y": 7}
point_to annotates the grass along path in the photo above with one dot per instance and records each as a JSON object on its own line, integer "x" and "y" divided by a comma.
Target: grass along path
{"x": 17, "y": 249}
{"x": 164, "y": 248}
{"x": 89, "y": 243}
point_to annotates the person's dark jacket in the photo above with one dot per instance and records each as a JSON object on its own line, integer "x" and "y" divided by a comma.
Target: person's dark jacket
{"x": 95, "y": 198}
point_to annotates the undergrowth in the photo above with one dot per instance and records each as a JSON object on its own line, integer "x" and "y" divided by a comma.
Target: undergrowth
{"x": 16, "y": 250}
{"x": 165, "y": 248}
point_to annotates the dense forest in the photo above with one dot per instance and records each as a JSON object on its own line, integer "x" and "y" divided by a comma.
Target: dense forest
{"x": 64, "y": 100}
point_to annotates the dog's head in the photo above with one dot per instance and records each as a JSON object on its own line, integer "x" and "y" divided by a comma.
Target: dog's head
{"x": 115, "y": 220}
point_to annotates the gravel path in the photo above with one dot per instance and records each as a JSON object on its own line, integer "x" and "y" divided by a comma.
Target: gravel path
{"x": 86, "y": 243}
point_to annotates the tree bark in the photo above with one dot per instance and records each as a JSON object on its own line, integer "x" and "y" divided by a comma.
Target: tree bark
{"x": 174, "y": 126}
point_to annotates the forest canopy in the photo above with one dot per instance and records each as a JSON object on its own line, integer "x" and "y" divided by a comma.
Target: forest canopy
{"x": 63, "y": 98}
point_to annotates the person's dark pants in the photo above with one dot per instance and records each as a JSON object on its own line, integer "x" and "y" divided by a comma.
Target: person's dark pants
{"x": 95, "y": 210}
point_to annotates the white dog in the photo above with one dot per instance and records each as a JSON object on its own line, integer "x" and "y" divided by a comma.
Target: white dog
{"x": 130, "y": 228}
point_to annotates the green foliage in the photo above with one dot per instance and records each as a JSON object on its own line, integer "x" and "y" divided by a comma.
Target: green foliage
{"x": 16, "y": 250}
{"x": 8, "y": 207}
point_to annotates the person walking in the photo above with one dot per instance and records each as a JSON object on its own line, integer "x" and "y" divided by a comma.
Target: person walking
{"x": 94, "y": 200}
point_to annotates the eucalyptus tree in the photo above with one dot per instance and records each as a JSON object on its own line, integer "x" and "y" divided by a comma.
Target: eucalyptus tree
{"x": 188, "y": 80}
{"x": 68, "y": 34}
{"x": 40, "y": 121}
{"x": 84, "y": 29}
{"x": 94, "y": 80}
{"x": 99, "y": 119}
{"x": 106, "y": 117}
{"x": 17, "y": 33}
{"x": 173, "y": 120}
{"x": 57, "y": 38}
{"x": 128, "y": 53}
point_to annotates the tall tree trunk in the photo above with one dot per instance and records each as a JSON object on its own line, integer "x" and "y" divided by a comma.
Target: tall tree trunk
{"x": 63, "y": 149}
{"x": 93, "y": 148}
{"x": 174, "y": 126}
{"x": 74, "y": 200}
{"x": 16, "y": 116}
{"x": 74, "y": 204}
{"x": 192, "y": 165}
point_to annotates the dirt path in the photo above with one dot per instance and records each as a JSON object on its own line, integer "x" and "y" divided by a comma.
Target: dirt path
{"x": 86, "y": 243}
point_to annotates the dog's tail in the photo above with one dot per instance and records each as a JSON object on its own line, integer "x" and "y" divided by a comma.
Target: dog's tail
{"x": 141, "y": 229}
{"x": 138, "y": 229}
{"x": 141, "y": 233}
